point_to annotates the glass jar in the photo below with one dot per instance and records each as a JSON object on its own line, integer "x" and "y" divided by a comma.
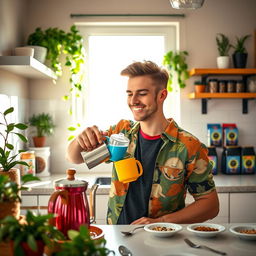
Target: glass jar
{"x": 231, "y": 86}
{"x": 222, "y": 86}
{"x": 213, "y": 85}
{"x": 239, "y": 86}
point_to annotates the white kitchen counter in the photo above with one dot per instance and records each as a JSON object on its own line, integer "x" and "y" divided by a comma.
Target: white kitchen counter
{"x": 224, "y": 183}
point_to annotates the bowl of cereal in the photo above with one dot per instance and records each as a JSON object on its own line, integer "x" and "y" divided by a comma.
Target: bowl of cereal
{"x": 206, "y": 229}
{"x": 247, "y": 232}
{"x": 163, "y": 229}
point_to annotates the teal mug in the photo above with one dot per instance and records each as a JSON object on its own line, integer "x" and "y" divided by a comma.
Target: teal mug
{"x": 117, "y": 145}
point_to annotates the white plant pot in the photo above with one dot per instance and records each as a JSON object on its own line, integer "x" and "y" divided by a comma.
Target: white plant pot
{"x": 223, "y": 62}
{"x": 39, "y": 53}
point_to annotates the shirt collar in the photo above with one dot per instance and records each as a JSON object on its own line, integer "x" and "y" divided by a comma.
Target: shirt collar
{"x": 171, "y": 131}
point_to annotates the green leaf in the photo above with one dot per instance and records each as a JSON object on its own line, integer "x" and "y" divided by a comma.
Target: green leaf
{"x": 8, "y": 111}
{"x": 9, "y": 146}
{"x": 23, "y": 138}
{"x": 71, "y": 137}
{"x": 72, "y": 234}
{"x": 21, "y": 126}
{"x": 65, "y": 97}
{"x": 10, "y": 127}
{"x": 71, "y": 128}
{"x": 32, "y": 242}
{"x": 28, "y": 177}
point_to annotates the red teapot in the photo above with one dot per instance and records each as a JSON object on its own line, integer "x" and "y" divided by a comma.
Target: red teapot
{"x": 70, "y": 205}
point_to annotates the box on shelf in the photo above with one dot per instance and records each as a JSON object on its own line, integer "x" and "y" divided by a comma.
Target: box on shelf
{"x": 230, "y": 134}
{"x": 248, "y": 160}
{"x": 214, "y": 135}
{"x": 231, "y": 160}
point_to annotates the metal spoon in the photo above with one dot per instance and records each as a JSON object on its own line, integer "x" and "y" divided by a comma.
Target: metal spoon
{"x": 129, "y": 233}
{"x": 124, "y": 251}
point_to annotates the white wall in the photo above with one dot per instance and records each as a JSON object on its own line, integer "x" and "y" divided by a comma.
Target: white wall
{"x": 197, "y": 36}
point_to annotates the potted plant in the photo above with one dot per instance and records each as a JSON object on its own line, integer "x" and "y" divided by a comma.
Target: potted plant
{"x": 44, "y": 125}
{"x": 30, "y": 236}
{"x": 10, "y": 194}
{"x": 176, "y": 64}
{"x": 8, "y": 154}
{"x": 240, "y": 54}
{"x": 199, "y": 87}
{"x": 224, "y": 46}
{"x": 59, "y": 42}
{"x": 81, "y": 243}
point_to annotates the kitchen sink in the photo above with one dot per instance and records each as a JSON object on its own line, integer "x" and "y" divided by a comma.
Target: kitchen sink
{"x": 103, "y": 180}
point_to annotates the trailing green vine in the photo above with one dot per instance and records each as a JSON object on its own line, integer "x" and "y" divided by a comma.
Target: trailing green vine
{"x": 175, "y": 62}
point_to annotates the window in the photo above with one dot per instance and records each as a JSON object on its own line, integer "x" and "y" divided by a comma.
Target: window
{"x": 109, "y": 49}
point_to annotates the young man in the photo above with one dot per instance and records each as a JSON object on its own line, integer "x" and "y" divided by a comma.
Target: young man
{"x": 173, "y": 160}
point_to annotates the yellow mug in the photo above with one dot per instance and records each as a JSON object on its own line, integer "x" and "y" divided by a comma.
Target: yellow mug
{"x": 128, "y": 169}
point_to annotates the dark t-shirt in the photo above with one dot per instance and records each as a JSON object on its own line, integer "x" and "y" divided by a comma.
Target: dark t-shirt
{"x": 137, "y": 198}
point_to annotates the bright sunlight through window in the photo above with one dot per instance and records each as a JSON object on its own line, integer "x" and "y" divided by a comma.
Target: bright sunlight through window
{"x": 107, "y": 54}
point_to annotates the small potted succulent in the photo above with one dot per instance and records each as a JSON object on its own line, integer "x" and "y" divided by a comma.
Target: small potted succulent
{"x": 224, "y": 46}
{"x": 30, "y": 236}
{"x": 240, "y": 53}
{"x": 175, "y": 62}
{"x": 44, "y": 125}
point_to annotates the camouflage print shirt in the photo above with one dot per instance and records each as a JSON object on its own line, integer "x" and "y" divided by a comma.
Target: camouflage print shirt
{"x": 182, "y": 164}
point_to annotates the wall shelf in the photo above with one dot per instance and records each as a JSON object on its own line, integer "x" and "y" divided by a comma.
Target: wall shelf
{"x": 207, "y": 72}
{"x": 26, "y": 66}
{"x": 205, "y": 96}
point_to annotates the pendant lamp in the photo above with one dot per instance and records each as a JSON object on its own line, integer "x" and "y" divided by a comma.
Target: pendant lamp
{"x": 186, "y": 4}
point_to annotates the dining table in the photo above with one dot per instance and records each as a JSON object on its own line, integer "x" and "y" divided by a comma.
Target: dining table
{"x": 143, "y": 243}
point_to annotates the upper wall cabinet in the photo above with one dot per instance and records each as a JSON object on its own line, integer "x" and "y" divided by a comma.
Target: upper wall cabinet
{"x": 26, "y": 66}
{"x": 206, "y": 73}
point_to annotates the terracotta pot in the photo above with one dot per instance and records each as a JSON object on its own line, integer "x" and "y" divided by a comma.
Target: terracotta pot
{"x": 6, "y": 249}
{"x": 39, "y": 141}
{"x": 14, "y": 174}
{"x": 55, "y": 247}
{"x": 199, "y": 88}
{"x": 28, "y": 251}
{"x": 11, "y": 208}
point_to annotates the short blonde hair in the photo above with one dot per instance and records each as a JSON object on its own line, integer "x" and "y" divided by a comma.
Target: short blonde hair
{"x": 147, "y": 68}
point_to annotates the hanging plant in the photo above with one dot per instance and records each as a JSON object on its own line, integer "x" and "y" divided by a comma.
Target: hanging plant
{"x": 175, "y": 62}
{"x": 70, "y": 44}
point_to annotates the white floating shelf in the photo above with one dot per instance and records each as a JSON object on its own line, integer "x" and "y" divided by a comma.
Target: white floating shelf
{"x": 26, "y": 66}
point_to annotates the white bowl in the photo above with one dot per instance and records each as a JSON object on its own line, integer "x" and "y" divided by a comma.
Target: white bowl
{"x": 24, "y": 51}
{"x": 235, "y": 230}
{"x": 175, "y": 228}
{"x": 192, "y": 227}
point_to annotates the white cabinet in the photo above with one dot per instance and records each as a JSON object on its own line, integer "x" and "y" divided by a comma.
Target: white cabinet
{"x": 101, "y": 209}
{"x": 243, "y": 207}
{"x": 43, "y": 203}
{"x": 29, "y": 203}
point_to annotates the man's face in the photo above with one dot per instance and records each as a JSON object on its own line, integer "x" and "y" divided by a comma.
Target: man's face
{"x": 142, "y": 98}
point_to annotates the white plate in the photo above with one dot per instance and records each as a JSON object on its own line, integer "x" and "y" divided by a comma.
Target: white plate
{"x": 235, "y": 230}
{"x": 192, "y": 227}
{"x": 176, "y": 228}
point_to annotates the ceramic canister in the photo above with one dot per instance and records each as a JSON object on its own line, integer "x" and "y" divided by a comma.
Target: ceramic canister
{"x": 42, "y": 161}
